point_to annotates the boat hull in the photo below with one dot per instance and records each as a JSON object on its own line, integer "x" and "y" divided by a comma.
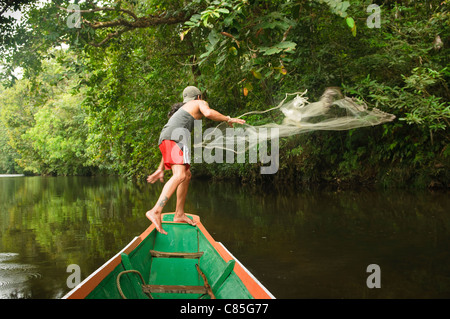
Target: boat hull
{"x": 186, "y": 263}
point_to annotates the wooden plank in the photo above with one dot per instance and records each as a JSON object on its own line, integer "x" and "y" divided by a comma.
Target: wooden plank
{"x": 206, "y": 283}
{"x": 160, "y": 254}
{"x": 174, "y": 289}
{"x": 225, "y": 273}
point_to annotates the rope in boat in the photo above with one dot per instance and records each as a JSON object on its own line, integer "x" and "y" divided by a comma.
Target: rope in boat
{"x": 126, "y": 272}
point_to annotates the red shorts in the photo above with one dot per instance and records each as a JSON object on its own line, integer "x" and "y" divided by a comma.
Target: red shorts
{"x": 174, "y": 153}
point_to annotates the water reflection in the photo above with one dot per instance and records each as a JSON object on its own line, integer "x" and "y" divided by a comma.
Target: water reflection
{"x": 299, "y": 244}
{"x": 318, "y": 244}
{"x": 54, "y": 222}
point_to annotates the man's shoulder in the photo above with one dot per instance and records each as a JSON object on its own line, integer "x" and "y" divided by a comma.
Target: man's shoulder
{"x": 195, "y": 104}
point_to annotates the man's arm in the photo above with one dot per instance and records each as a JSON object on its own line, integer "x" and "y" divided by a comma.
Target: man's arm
{"x": 216, "y": 116}
{"x": 161, "y": 165}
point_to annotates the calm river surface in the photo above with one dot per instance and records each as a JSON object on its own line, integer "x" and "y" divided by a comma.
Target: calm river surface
{"x": 304, "y": 244}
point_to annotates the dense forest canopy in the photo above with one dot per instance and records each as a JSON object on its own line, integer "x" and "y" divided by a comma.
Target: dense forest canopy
{"x": 97, "y": 79}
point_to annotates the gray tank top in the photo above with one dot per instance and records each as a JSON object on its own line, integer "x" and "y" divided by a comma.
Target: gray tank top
{"x": 180, "y": 119}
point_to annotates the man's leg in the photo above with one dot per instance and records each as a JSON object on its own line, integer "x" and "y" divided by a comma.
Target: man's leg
{"x": 178, "y": 177}
{"x": 182, "y": 190}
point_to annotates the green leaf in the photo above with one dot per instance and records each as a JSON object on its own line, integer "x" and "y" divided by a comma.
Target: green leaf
{"x": 195, "y": 18}
{"x": 233, "y": 51}
{"x": 223, "y": 10}
{"x": 270, "y": 51}
{"x": 350, "y": 22}
{"x": 345, "y": 6}
{"x": 256, "y": 74}
{"x": 288, "y": 45}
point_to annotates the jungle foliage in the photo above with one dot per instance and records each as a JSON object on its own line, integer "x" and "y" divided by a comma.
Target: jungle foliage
{"x": 97, "y": 84}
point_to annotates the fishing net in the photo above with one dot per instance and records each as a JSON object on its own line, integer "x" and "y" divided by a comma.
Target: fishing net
{"x": 333, "y": 112}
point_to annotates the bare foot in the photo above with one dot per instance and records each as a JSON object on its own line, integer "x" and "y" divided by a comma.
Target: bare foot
{"x": 155, "y": 218}
{"x": 182, "y": 218}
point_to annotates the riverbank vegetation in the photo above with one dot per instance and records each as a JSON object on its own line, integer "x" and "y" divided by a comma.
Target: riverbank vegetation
{"x": 93, "y": 96}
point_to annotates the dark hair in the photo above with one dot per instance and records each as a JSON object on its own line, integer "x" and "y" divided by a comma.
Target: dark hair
{"x": 174, "y": 108}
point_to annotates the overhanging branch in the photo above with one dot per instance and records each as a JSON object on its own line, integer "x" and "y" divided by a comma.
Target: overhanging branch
{"x": 125, "y": 25}
{"x": 97, "y": 9}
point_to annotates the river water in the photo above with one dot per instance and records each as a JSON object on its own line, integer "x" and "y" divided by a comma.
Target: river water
{"x": 299, "y": 244}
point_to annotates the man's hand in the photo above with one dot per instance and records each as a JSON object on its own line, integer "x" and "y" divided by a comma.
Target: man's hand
{"x": 158, "y": 174}
{"x": 234, "y": 120}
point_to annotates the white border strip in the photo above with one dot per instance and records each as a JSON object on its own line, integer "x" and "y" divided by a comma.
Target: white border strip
{"x": 248, "y": 272}
{"x": 98, "y": 270}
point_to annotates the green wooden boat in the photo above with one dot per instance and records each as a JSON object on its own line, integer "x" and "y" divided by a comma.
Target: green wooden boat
{"x": 186, "y": 263}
